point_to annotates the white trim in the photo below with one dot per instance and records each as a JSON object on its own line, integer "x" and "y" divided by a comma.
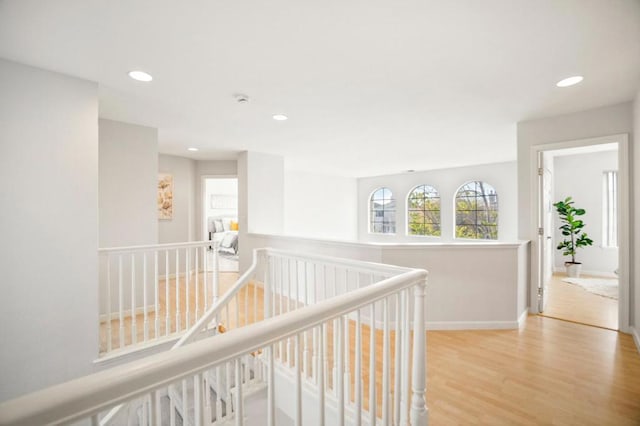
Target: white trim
{"x": 472, "y": 325}
{"x": 636, "y": 337}
{"x": 522, "y": 319}
{"x": 622, "y": 140}
{"x": 397, "y": 246}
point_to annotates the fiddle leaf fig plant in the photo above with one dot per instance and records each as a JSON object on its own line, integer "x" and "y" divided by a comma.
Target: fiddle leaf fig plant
{"x": 572, "y": 228}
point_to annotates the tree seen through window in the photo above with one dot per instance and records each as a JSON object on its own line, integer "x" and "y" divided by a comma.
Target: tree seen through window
{"x": 424, "y": 211}
{"x": 477, "y": 211}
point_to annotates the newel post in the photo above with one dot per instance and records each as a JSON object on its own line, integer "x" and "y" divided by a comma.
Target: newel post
{"x": 419, "y": 412}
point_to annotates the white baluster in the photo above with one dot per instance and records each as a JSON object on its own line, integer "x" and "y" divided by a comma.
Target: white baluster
{"x": 397, "y": 359}
{"x": 207, "y": 410}
{"x": 339, "y": 353}
{"x": 419, "y": 412}
{"x": 120, "y": 301}
{"x": 204, "y": 278}
{"x": 358, "y": 369}
{"x": 167, "y": 330}
{"x": 237, "y": 324}
{"x": 134, "y": 325}
{"x": 404, "y": 398}
{"x": 245, "y": 291}
{"x": 298, "y": 408}
{"x": 281, "y": 289}
{"x": 347, "y": 354}
{"x": 198, "y": 400}
{"x": 187, "y": 299}
{"x": 145, "y": 298}
{"x": 305, "y": 353}
{"x": 109, "y": 330}
{"x": 144, "y": 410}
{"x": 197, "y": 287}
{"x": 216, "y": 273}
{"x": 185, "y": 402}
{"x": 177, "y": 269}
{"x": 271, "y": 398}
{"x": 314, "y": 357}
{"x": 321, "y": 371}
{"x": 218, "y": 392}
{"x": 372, "y": 366}
{"x": 155, "y": 416}
{"x": 172, "y": 412}
{"x": 239, "y": 399}
{"x": 255, "y": 302}
{"x": 156, "y": 281}
{"x": 386, "y": 373}
{"x": 289, "y": 300}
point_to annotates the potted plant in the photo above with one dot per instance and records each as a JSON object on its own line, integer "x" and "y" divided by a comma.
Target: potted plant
{"x": 572, "y": 227}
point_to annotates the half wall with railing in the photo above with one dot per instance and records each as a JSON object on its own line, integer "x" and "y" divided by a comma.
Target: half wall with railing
{"x": 307, "y": 340}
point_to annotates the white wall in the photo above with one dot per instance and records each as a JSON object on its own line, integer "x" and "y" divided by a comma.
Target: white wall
{"x": 49, "y": 202}
{"x": 471, "y": 285}
{"x": 610, "y": 120}
{"x": 502, "y": 176}
{"x": 127, "y": 206}
{"x": 260, "y": 198}
{"x": 128, "y": 167}
{"x": 182, "y": 227}
{"x": 320, "y": 206}
{"x": 580, "y": 177}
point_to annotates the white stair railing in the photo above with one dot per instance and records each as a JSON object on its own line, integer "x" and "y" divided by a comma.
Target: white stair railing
{"x": 314, "y": 308}
{"x": 153, "y": 293}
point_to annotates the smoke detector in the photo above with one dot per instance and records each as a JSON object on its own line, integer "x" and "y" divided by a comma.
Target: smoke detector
{"x": 241, "y": 99}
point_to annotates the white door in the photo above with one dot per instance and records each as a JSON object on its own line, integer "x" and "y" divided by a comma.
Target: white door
{"x": 545, "y": 230}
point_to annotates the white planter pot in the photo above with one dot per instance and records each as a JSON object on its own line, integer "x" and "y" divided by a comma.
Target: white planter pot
{"x": 573, "y": 269}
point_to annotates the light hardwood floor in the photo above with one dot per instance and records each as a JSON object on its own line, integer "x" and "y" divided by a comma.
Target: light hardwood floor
{"x": 573, "y": 303}
{"x": 550, "y": 372}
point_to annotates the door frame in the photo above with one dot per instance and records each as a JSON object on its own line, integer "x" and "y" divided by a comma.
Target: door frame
{"x": 623, "y": 219}
{"x": 203, "y": 193}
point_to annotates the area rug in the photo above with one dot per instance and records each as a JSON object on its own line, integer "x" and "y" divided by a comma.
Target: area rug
{"x": 607, "y": 287}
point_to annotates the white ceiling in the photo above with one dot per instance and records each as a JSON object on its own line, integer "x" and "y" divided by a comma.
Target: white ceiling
{"x": 371, "y": 87}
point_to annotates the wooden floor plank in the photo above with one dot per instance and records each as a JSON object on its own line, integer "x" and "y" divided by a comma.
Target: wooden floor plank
{"x": 573, "y": 303}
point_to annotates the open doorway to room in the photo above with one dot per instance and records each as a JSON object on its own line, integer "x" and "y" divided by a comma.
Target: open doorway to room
{"x": 591, "y": 175}
{"x": 220, "y": 214}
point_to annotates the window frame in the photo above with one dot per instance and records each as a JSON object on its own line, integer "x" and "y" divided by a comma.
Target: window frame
{"x": 495, "y": 224}
{"x": 409, "y": 210}
{"x": 371, "y": 212}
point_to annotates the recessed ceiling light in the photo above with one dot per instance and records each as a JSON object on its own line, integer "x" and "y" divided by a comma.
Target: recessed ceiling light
{"x": 140, "y": 76}
{"x": 280, "y": 117}
{"x": 192, "y": 149}
{"x": 570, "y": 81}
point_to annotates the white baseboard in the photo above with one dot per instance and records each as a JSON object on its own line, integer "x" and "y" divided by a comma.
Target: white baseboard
{"x": 636, "y": 337}
{"x": 472, "y": 325}
{"x": 127, "y": 313}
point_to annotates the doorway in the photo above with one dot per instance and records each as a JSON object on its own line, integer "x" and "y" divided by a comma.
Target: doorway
{"x": 220, "y": 219}
{"x": 594, "y": 172}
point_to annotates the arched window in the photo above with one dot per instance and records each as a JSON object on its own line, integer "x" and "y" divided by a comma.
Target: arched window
{"x": 423, "y": 216}
{"x": 477, "y": 211}
{"x": 382, "y": 212}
